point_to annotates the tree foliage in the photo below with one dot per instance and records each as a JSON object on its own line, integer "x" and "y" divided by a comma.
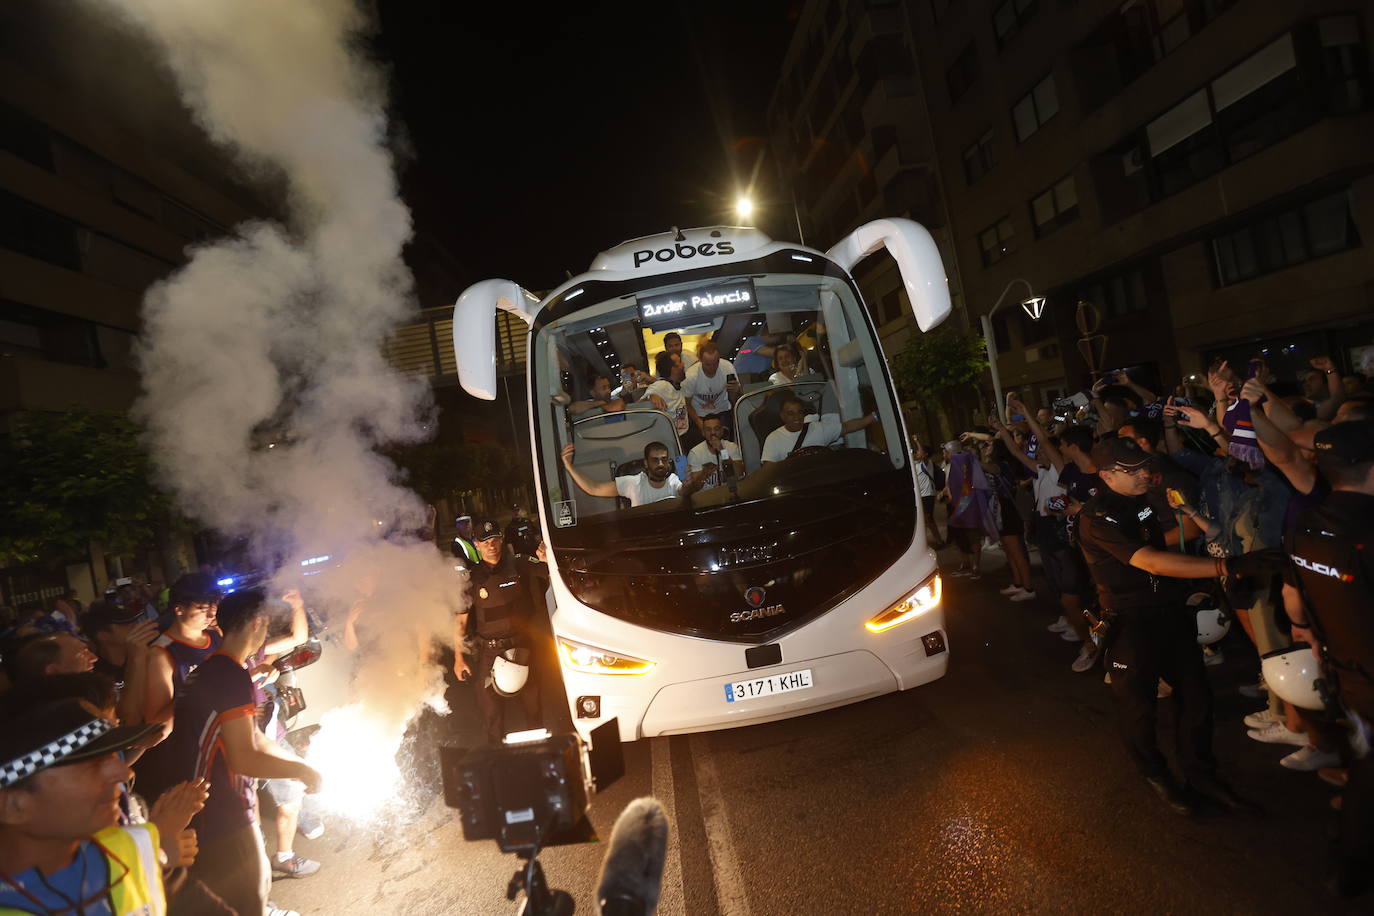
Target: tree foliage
{"x": 438, "y": 470}
{"x": 72, "y": 478}
{"x": 932, "y": 364}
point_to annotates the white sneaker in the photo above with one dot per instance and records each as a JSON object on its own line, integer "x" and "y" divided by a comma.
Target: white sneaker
{"x": 1309, "y": 758}
{"x": 1024, "y": 594}
{"x": 1070, "y": 636}
{"x": 1278, "y": 733}
{"x": 1087, "y": 657}
{"x": 1262, "y": 719}
{"x": 1009, "y": 590}
{"x": 1059, "y": 626}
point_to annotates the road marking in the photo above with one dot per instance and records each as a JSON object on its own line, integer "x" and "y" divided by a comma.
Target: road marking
{"x": 720, "y": 842}
{"x": 670, "y": 899}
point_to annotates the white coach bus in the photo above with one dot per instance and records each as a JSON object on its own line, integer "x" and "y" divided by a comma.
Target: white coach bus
{"x": 804, "y": 584}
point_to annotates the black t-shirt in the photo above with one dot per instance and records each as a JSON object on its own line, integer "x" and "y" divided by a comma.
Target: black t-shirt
{"x": 1111, "y": 528}
{"x": 1332, "y": 548}
{"x": 218, "y": 691}
{"x": 1082, "y": 486}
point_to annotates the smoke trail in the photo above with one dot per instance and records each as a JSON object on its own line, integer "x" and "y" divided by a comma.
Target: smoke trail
{"x": 275, "y": 335}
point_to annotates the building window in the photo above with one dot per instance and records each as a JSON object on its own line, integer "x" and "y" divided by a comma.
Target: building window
{"x": 26, "y": 138}
{"x": 31, "y": 230}
{"x": 962, "y": 73}
{"x": 1034, "y": 108}
{"x": 890, "y": 307}
{"x": 1010, "y": 17}
{"x": 1282, "y": 239}
{"x": 1055, "y": 206}
{"x": 978, "y": 158}
{"x": 997, "y": 241}
{"x": 1118, "y": 295}
{"x": 1345, "y": 69}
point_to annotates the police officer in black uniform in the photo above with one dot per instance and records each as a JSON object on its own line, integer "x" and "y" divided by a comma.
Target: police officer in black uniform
{"x": 501, "y": 603}
{"x": 1152, "y": 633}
{"x": 1329, "y": 595}
{"x": 522, "y": 534}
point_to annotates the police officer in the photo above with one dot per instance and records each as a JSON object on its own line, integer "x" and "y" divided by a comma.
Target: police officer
{"x": 1152, "y": 634}
{"x": 463, "y": 550}
{"x": 1329, "y": 593}
{"x": 501, "y": 603}
{"x": 522, "y": 534}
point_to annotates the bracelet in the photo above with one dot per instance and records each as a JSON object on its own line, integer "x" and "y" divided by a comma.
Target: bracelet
{"x": 1221, "y": 567}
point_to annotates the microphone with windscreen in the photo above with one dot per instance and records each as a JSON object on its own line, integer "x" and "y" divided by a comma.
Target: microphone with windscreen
{"x": 632, "y": 872}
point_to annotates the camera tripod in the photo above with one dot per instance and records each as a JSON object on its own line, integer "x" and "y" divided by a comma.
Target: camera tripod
{"x": 540, "y": 899}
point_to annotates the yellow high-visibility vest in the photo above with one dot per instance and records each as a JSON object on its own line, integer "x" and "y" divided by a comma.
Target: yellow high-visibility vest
{"x": 139, "y": 892}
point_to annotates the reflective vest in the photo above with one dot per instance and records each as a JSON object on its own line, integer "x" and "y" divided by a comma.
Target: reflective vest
{"x": 140, "y": 892}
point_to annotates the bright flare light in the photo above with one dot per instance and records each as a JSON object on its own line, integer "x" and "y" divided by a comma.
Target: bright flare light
{"x": 356, "y": 756}
{"x": 744, "y": 207}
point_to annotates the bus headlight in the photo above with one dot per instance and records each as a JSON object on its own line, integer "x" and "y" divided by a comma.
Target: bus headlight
{"x": 925, "y": 597}
{"x": 594, "y": 660}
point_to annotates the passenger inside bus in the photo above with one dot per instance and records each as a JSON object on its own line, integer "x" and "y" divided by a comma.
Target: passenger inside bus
{"x": 800, "y": 431}
{"x": 656, "y": 482}
{"x": 600, "y": 398}
{"x": 788, "y": 360}
{"x": 716, "y": 458}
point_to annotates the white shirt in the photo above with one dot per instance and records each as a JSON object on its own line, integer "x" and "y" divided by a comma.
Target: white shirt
{"x": 639, "y": 491}
{"x": 677, "y": 404}
{"x": 708, "y": 391}
{"x": 777, "y": 378}
{"x": 701, "y": 455}
{"x": 1046, "y": 487}
{"x": 924, "y": 482}
{"x": 689, "y": 359}
{"x": 822, "y": 431}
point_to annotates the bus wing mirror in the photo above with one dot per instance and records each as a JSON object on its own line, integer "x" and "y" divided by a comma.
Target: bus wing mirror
{"x": 917, "y": 257}
{"x": 474, "y": 330}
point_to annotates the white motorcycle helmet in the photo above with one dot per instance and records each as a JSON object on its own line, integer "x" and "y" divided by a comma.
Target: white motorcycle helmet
{"x": 1292, "y": 674}
{"x": 1213, "y": 623}
{"x": 510, "y": 671}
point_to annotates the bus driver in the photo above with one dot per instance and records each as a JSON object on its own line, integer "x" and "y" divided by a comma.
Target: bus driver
{"x": 796, "y": 433}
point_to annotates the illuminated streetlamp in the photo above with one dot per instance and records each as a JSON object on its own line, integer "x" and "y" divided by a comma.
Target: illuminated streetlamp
{"x": 744, "y": 207}
{"x": 1035, "y": 307}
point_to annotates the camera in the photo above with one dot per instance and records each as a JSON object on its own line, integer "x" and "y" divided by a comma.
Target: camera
{"x": 1064, "y": 408}
{"x": 532, "y": 792}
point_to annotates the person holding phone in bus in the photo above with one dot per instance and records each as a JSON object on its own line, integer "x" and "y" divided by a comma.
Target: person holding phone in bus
{"x": 711, "y": 388}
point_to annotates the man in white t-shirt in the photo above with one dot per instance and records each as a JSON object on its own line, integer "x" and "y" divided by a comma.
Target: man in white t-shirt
{"x": 709, "y": 456}
{"x": 708, "y": 389}
{"x": 796, "y": 433}
{"x": 664, "y": 393}
{"x": 672, "y": 342}
{"x": 656, "y": 482}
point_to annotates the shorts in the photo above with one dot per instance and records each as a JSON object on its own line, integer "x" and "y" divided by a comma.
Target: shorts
{"x": 1012, "y": 525}
{"x": 1065, "y": 571}
{"x": 284, "y": 791}
{"x": 966, "y": 539}
{"x": 928, "y": 508}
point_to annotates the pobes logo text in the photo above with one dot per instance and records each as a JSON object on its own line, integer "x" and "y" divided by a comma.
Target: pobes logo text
{"x": 706, "y": 249}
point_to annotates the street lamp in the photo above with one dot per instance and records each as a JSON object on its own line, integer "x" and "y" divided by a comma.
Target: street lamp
{"x": 744, "y": 207}
{"x": 1035, "y": 307}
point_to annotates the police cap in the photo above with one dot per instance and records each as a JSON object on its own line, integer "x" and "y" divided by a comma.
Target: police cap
{"x": 1351, "y": 442}
{"x": 1117, "y": 453}
{"x": 484, "y": 529}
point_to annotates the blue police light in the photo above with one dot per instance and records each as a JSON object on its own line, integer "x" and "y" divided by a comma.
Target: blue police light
{"x": 225, "y": 583}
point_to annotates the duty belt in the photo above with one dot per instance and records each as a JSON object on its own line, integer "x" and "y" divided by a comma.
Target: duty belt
{"x": 501, "y": 642}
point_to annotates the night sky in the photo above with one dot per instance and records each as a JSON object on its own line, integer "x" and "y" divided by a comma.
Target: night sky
{"x": 541, "y": 135}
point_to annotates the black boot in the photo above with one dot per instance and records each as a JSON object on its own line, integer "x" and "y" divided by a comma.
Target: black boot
{"x": 1172, "y": 794}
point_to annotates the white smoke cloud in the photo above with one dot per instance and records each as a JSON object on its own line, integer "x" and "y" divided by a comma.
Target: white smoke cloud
{"x": 276, "y": 334}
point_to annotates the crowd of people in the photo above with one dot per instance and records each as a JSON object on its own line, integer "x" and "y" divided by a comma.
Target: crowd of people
{"x": 136, "y": 735}
{"x": 1157, "y": 519}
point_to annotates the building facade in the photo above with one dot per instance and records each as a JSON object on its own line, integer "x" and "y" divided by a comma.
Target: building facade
{"x": 1193, "y": 169}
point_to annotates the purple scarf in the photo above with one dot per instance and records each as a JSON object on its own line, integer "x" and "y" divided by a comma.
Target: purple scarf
{"x": 970, "y": 495}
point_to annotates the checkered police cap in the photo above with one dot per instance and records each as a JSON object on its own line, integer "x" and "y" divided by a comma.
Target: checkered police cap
{"x": 60, "y": 732}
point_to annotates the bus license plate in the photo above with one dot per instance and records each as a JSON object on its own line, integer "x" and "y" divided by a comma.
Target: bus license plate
{"x": 767, "y": 686}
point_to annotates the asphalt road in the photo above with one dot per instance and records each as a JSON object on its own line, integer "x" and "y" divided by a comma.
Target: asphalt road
{"x": 1000, "y": 788}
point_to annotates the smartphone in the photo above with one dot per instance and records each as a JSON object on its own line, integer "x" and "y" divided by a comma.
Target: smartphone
{"x": 1253, "y": 369}
{"x": 732, "y": 379}
{"x": 1017, "y": 418}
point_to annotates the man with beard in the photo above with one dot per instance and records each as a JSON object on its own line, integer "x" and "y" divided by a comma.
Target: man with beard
{"x": 710, "y": 388}
{"x": 664, "y": 393}
{"x": 795, "y": 433}
{"x": 710, "y": 457}
{"x": 600, "y": 399}
{"x": 656, "y": 482}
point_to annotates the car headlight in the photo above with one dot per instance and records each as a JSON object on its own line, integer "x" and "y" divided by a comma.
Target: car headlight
{"x": 923, "y": 598}
{"x": 594, "y": 660}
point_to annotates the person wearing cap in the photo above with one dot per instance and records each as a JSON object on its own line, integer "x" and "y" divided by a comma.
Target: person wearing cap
{"x": 216, "y": 738}
{"x": 500, "y": 606}
{"x": 121, "y": 640}
{"x": 1153, "y": 634}
{"x": 60, "y": 848}
{"x": 462, "y": 548}
{"x": 1328, "y": 592}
